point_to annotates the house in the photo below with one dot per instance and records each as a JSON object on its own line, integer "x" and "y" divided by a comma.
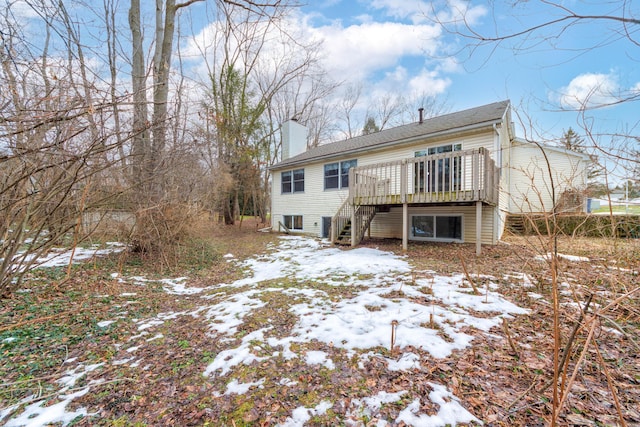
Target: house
{"x": 450, "y": 178}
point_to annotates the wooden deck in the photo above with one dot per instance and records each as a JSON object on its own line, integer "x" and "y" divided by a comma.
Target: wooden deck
{"x": 458, "y": 177}
{"x": 455, "y": 177}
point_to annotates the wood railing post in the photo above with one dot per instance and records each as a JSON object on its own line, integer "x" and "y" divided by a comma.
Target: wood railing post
{"x": 488, "y": 180}
{"x": 352, "y": 185}
{"x": 403, "y": 181}
{"x": 476, "y": 173}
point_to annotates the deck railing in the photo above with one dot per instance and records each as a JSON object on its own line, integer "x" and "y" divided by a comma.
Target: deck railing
{"x": 458, "y": 176}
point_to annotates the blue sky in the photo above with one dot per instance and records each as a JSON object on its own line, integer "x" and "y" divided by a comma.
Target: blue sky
{"x": 395, "y": 45}
{"x": 399, "y": 47}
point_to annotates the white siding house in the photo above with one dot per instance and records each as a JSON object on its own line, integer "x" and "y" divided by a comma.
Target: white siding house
{"x": 448, "y": 178}
{"x": 536, "y": 178}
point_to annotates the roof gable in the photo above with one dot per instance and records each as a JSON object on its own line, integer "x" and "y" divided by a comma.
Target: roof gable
{"x": 539, "y": 146}
{"x": 447, "y": 123}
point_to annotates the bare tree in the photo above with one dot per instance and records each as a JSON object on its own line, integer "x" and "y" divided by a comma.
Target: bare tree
{"x": 141, "y": 140}
{"x": 307, "y": 98}
{"x": 347, "y": 109}
{"x": 148, "y": 149}
{"x": 614, "y": 22}
{"x": 386, "y": 110}
{"x": 55, "y": 141}
{"x": 431, "y": 105}
{"x": 253, "y": 62}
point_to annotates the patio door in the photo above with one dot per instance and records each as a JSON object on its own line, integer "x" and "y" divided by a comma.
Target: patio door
{"x": 443, "y": 174}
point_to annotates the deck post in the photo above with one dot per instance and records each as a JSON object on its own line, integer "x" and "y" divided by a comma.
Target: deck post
{"x": 478, "y": 227}
{"x": 405, "y": 226}
{"x": 353, "y": 227}
{"x": 333, "y": 230}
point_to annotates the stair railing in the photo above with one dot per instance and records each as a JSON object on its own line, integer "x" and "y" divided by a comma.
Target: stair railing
{"x": 340, "y": 220}
{"x": 363, "y": 217}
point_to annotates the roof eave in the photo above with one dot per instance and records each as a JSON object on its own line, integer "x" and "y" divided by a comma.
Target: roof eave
{"x": 562, "y": 150}
{"x": 346, "y": 153}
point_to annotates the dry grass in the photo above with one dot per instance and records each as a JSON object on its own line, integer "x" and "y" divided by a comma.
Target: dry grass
{"x": 501, "y": 378}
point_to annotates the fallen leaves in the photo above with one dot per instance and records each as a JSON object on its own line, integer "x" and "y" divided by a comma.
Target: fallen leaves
{"x": 165, "y": 363}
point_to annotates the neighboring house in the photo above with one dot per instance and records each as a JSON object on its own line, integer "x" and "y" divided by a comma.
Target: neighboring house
{"x": 449, "y": 178}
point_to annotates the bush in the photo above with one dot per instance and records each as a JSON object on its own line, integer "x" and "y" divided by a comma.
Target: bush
{"x": 583, "y": 225}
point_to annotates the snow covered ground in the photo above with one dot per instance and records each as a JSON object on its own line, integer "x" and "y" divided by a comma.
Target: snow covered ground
{"x": 60, "y": 257}
{"x": 428, "y": 311}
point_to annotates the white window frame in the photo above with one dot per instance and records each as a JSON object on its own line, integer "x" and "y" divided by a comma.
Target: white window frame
{"x": 436, "y": 238}
{"x": 293, "y": 222}
{"x": 340, "y": 175}
{"x": 292, "y": 181}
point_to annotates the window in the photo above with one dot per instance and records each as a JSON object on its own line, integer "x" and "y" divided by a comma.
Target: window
{"x": 336, "y": 175}
{"x": 292, "y": 222}
{"x": 331, "y": 176}
{"x": 286, "y": 182}
{"x": 344, "y": 172}
{"x": 441, "y": 149}
{"x": 436, "y": 227}
{"x": 298, "y": 180}
{"x": 293, "y": 181}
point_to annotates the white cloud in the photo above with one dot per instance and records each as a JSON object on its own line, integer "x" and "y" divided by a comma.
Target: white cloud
{"x": 416, "y": 10}
{"x": 461, "y": 11}
{"x": 589, "y": 90}
{"x": 449, "y": 65}
{"x": 359, "y": 50}
{"x": 392, "y": 48}
{"x": 363, "y": 51}
{"x": 429, "y": 82}
{"x": 399, "y": 80}
{"x": 20, "y": 9}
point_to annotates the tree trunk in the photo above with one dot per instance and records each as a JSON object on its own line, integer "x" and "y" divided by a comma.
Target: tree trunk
{"x": 140, "y": 141}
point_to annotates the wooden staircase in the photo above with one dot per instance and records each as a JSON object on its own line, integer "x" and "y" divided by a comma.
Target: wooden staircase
{"x": 343, "y": 226}
{"x": 515, "y": 224}
{"x": 344, "y": 237}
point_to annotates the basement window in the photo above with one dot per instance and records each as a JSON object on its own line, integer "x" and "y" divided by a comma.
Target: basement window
{"x": 445, "y": 228}
{"x": 292, "y": 222}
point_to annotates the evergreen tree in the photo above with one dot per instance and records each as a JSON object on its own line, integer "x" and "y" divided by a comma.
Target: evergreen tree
{"x": 370, "y": 126}
{"x": 572, "y": 141}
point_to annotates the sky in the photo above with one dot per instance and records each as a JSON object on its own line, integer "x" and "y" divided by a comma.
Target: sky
{"x": 400, "y": 47}
{"x": 345, "y": 325}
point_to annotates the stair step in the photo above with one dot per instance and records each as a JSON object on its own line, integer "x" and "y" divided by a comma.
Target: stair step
{"x": 516, "y": 224}
{"x": 364, "y": 217}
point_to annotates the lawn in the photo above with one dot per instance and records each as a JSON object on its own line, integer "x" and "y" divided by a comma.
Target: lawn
{"x": 619, "y": 210}
{"x": 291, "y": 331}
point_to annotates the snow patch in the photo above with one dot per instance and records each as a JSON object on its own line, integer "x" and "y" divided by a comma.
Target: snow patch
{"x": 449, "y": 413}
{"x": 301, "y": 414}
{"x": 319, "y": 358}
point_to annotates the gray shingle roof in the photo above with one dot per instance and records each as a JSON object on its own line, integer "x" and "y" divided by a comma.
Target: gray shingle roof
{"x": 478, "y": 116}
